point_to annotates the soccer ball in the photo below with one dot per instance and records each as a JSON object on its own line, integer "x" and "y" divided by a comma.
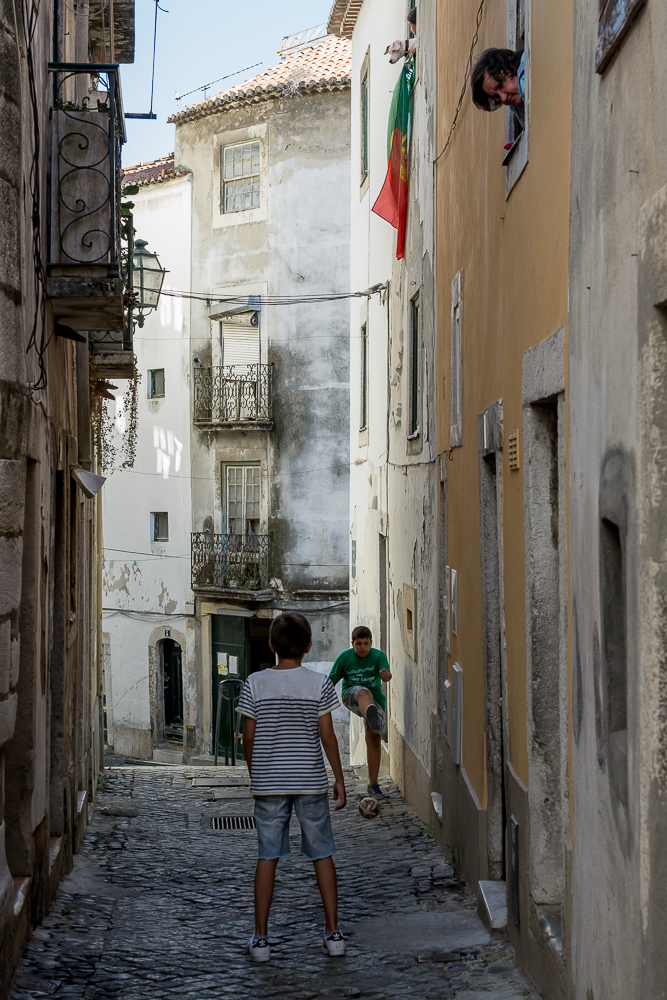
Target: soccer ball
{"x": 368, "y": 807}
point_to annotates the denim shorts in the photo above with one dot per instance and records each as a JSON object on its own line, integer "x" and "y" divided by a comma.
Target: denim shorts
{"x": 350, "y": 702}
{"x": 272, "y": 816}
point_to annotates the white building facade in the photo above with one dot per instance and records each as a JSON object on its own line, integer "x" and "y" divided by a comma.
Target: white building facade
{"x": 394, "y": 470}
{"x": 148, "y": 616}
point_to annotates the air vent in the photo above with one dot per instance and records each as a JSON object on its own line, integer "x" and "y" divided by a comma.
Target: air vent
{"x": 513, "y": 449}
{"x": 232, "y": 822}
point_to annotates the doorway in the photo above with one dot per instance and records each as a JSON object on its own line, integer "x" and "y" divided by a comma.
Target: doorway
{"x": 239, "y": 647}
{"x": 172, "y": 688}
{"x": 495, "y": 699}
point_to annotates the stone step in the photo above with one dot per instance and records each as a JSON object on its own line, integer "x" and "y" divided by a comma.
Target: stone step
{"x": 492, "y": 905}
{"x": 168, "y": 756}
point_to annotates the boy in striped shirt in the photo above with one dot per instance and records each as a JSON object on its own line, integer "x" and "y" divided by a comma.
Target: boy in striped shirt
{"x": 288, "y": 720}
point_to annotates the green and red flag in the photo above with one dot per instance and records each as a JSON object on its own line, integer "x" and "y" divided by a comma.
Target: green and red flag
{"x": 392, "y": 202}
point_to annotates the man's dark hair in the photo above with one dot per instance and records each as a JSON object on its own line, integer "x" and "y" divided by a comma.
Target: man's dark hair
{"x": 500, "y": 64}
{"x": 290, "y": 634}
{"x": 362, "y": 632}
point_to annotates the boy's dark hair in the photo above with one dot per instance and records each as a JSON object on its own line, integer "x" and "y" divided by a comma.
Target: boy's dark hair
{"x": 500, "y": 64}
{"x": 362, "y": 632}
{"x": 289, "y": 635}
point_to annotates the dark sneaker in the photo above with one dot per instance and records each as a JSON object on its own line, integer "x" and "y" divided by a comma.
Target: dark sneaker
{"x": 258, "y": 949}
{"x": 375, "y": 791}
{"x": 373, "y": 718}
{"x": 333, "y": 944}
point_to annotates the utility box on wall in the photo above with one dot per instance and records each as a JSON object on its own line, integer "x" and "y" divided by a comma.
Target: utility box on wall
{"x": 457, "y": 712}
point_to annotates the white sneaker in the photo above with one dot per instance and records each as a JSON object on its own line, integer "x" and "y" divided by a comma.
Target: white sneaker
{"x": 258, "y": 949}
{"x": 334, "y": 944}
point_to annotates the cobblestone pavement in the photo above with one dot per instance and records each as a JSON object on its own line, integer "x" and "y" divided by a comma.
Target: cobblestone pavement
{"x": 159, "y": 905}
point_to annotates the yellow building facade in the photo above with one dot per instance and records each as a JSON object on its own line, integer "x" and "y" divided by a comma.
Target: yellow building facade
{"x": 502, "y": 224}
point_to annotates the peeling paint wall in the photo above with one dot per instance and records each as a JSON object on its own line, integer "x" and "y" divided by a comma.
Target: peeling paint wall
{"x": 295, "y": 243}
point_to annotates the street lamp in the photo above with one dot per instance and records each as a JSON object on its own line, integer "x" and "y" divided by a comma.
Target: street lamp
{"x": 147, "y": 278}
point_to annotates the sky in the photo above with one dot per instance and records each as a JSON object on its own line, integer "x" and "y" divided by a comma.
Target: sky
{"x": 197, "y": 42}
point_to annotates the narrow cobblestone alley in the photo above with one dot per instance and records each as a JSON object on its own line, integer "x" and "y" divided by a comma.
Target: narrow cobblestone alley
{"x": 159, "y": 905}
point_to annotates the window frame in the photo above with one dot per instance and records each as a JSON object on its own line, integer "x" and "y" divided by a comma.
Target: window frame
{"x": 155, "y": 525}
{"x": 363, "y": 377}
{"x": 616, "y": 19}
{"x": 225, "y": 496}
{"x": 152, "y": 394}
{"x": 364, "y": 124}
{"x": 258, "y": 176}
{"x": 456, "y": 371}
{"x": 414, "y": 368}
{"x": 516, "y": 159}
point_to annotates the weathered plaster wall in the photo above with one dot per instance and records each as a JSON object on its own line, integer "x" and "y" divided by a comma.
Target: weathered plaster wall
{"x": 617, "y": 418}
{"x": 296, "y": 243}
{"x": 146, "y": 582}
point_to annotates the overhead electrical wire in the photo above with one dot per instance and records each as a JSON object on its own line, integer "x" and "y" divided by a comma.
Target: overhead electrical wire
{"x": 274, "y": 300}
{"x": 205, "y": 86}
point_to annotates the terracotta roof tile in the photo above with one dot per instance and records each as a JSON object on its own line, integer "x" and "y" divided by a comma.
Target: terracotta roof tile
{"x": 154, "y": 171}
{"x": 323, "y": 64}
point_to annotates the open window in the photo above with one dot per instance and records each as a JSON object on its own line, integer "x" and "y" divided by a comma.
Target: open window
{"x": 516, "y": 136}
{"x": 159, "y": 526}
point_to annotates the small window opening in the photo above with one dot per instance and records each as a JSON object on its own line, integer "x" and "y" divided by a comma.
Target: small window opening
{"x": 156, "y": 383}
{"x": 413, "y": 423}
{"x": 614, "y": 614}
{"x": 160, "y": 527}
{"x": 363, "y": 415}
{"x": 364, "y": 128}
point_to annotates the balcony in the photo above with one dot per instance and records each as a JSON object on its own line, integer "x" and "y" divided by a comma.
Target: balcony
{"x": 235, "y": 563}
{"x": 84, "y": 275}
{"x": 233, "y": 396}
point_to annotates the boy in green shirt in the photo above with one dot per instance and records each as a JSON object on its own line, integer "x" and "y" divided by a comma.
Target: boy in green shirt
{"x": 363, "y": 669}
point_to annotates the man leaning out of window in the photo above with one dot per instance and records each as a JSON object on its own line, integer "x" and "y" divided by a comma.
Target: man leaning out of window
{"x": 499, "y": 78}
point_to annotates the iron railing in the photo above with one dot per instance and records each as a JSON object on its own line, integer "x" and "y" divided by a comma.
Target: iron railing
{"x": 87, "y": 131}
{"x": 230, "y": 561}
{"x": 232, "y": 394}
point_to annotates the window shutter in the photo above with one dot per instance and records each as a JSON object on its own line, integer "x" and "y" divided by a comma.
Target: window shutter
{"x": 240, "y": 345}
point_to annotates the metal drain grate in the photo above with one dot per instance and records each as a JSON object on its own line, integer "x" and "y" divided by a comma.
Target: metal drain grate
{"x": 233, "y": 823}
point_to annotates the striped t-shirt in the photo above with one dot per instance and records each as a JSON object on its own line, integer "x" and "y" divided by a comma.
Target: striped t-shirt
{"x": 287, "y": 754}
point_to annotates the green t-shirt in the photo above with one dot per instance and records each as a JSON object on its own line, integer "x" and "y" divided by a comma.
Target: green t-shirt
{"x": 361, "y": 670}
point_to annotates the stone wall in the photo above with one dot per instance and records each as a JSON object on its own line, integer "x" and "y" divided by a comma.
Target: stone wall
{"x": 50, "y": 718}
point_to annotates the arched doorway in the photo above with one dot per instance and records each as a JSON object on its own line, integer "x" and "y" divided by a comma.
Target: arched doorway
{"x": 172, "y": 690}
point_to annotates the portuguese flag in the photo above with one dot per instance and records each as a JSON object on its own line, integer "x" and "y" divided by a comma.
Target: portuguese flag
{"x": 392, "y": 202}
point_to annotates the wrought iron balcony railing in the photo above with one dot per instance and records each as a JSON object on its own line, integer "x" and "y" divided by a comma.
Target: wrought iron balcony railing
{"x": 233, "y": 394}
{"x": 84, "y": 274}
{"x": 230, "y": 561}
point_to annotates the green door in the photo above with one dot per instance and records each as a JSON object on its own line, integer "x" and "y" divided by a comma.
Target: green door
{"x": 228, "y": 635}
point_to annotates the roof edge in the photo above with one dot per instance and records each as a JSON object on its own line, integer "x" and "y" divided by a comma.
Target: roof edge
{"x": 235, "y": 99}
{"x": 343, "y": 17}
